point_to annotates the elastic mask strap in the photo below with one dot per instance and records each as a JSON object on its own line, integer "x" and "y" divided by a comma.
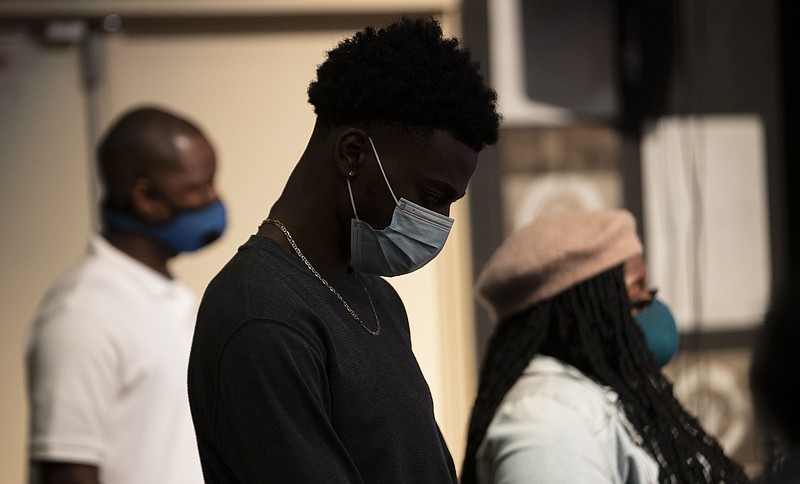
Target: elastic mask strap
{"x": 352, "y": 202}
{"x": 381, "y": 167}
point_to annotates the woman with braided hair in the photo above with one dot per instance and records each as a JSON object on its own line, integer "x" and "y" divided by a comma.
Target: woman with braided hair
{"x": 571, "y": 389}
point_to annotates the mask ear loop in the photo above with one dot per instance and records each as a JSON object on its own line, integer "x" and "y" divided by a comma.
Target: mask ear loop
{"x": 352, "y": 202}
{"x": 380, "y": 165}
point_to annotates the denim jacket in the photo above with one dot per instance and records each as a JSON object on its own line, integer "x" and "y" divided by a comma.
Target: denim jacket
{"x": 555, "y": 425}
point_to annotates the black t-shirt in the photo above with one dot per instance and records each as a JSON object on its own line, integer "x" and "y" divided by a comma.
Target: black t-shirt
{"x": 285, "y": 386}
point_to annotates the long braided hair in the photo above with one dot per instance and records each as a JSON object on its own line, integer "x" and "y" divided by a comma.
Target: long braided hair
{"x": 590, "y": 327}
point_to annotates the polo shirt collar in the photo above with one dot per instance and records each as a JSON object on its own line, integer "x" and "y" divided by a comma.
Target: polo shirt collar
{"x": 151, "y": 280}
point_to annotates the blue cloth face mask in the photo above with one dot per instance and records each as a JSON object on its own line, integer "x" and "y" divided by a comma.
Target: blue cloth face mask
{"x": 187, "y": 232}
{"x": 413, "y": 238}
{"x": 660, "y": 331}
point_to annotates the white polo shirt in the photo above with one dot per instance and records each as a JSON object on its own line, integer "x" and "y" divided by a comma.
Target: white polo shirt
{"x": 106, "y": 359}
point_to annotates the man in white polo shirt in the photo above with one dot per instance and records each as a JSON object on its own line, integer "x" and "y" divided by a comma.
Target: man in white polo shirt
{"x": 108, "y": 349}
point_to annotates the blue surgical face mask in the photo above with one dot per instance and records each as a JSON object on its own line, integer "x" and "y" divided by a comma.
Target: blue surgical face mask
{"x": 660, "y": 331}
{"x": 186, "y": 232}
{"x": 413, "y": 238}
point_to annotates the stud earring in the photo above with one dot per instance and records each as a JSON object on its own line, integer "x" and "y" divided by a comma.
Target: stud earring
{"x": 351, "y": 173}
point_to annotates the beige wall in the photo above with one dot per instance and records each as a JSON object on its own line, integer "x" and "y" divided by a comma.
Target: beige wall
{"x": 247, "y": 90}
{"x": 43, "y": 206}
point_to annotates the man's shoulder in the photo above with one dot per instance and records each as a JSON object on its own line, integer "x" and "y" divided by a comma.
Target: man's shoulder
{"x": 261, "y": 269}
{"x": 257, "y": 283}
{"x": 96, "y": 293}
{"x": 256, "y": 266}
{"x": 91, "y": 278}
{"x": 72, "y": 317}
{"x": 254, "y": 256}
{"x": 84, "y": 277}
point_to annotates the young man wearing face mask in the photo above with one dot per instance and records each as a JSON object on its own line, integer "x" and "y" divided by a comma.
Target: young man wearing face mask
{"x": 571, "y": 388}
{"x": 301, "y": 367}
{"x": 109, "y": 348}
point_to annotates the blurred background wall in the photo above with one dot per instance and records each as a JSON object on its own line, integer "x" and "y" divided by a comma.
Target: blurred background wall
{"x": 675, "y": 110}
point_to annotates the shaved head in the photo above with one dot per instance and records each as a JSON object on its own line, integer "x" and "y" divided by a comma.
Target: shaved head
{"x": 140, "y": 143}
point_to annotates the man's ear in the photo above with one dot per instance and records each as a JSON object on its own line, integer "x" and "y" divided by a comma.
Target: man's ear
{"x": 146, "y": 203}
{"x": 352, "y": 149}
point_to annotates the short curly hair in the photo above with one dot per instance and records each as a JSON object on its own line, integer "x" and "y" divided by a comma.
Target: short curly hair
{"x": 406, "y": 74}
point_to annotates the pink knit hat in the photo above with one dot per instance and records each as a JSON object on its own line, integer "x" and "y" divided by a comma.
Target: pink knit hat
{"x": 553, "y": 253}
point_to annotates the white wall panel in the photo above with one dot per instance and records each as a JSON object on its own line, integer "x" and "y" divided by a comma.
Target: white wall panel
{"x": 706, "y": 218}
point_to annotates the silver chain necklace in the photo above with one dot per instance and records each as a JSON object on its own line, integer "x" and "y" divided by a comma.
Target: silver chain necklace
{"x": 285, "y": 231}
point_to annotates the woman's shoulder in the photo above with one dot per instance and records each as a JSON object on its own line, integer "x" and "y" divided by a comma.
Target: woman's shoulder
{"x": 563, "y": 389}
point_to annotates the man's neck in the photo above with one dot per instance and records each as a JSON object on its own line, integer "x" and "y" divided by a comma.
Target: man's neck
{"x": 318, "y": 238}
{"x": 143, "y": 249}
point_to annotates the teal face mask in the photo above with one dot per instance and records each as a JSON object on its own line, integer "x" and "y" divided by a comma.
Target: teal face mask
{"x": 660, "y": 331}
